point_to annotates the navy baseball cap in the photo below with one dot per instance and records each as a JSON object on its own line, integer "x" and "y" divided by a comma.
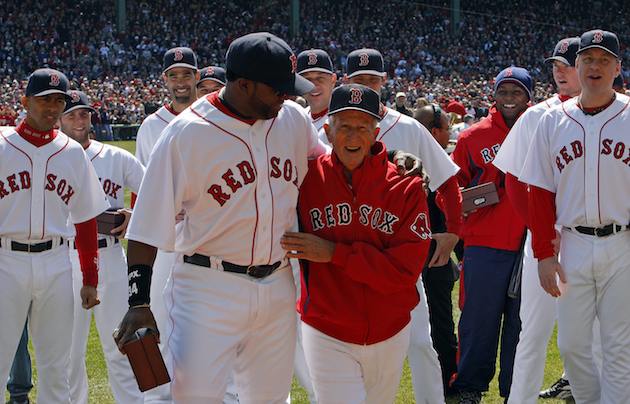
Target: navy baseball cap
{"x": 77, "y": 100}
{"x": 365, "y": 61}
{"x": 214, "y": 73}
{"x": 47, "y": 81}
{"x": 565, "y": 51}
{"x": 355, "y": 97}
{"x": 598, "y": 38}
{"x": 179, "y": 57}
{"x": 265, "y": 58}
{"x": 314, "y": 60}
{"x": 516, "y": 75}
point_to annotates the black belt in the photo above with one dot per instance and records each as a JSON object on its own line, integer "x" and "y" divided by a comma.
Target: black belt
{"x": 32, "y": 248}
{"x": 102, "y": 243}
{"x": 600, "y": 231}
{"x": 255, "y": 271}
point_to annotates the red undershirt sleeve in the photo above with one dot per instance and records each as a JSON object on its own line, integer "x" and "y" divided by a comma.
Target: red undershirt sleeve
{"x": 133, "y": 199}
{"x": 449, "y": 200}
{"x": 518, "y": 196}
{"x": 87, "y": 247}
{"x": 542, "y": 218}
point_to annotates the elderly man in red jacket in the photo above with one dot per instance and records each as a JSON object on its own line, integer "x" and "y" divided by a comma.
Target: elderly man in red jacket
{"x": 365, "y": 239}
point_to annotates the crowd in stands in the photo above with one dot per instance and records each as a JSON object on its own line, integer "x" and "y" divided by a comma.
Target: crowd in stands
{"x": 424, "y": 55}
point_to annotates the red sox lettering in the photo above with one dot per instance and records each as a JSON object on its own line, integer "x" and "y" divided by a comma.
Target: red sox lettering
{"x": 575, "y": 150}
{"x": 63, "y": 189}
{"x": 22, "y": 181}
{"x": 488, "y": 153}
{"x": 342, "y": 216}
{"x": 278, "y": 169}
{"x": 110, "y": 187}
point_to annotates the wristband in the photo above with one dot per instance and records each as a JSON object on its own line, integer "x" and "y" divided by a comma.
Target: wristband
{"x": 139, "y": 277}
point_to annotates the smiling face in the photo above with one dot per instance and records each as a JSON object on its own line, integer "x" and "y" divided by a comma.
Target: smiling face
{"x": 180, "y": 83}
{"x": 319, "y": 98}
{"x": 208, "y": 86}
{"x": 76, "y": 124}
{"x": 597, "y": 70}
{"x": 369, "y": 80}
{"x": 566, "y": 79}
{"x": 511, "y": 100}
{"x": 43, "y": 112}
{"x": 352, "y": 134}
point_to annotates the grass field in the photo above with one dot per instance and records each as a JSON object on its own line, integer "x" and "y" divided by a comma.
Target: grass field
{"x": 99, "y": 391}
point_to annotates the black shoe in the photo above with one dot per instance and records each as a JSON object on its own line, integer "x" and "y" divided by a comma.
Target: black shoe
{"x": 560, "y": 390}
{"x": 19, "y": 400}
{"x": 469, "y": 397}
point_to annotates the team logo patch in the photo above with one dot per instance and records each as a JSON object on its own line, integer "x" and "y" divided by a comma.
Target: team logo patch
{"x": 364, "y": 59}
{"x": 564, "y": 47}
{"x": 293, "y": 60}
{"x": 356, "y": 96}
{"x": 508, "y": 73}
{"x": 312, "y": 58}
{"x": 75, "y": 97}
{"x": 54, "y": 79}
{"x": 420, "y": 227}
{"x": 210, "y": 71}
{"x": 598, "y": 36}
{"x": 179, "y": 55}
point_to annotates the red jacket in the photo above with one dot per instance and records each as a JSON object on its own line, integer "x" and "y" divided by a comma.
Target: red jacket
{"x": 497, "y": 226}
{"x": 381, "y": 230}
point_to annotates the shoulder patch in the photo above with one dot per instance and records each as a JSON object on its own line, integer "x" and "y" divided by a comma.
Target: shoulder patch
{"x": 420, "y": 226}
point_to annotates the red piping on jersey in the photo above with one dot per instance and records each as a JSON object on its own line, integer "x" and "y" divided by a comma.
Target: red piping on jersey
{"x": 165, "y": 121}
{"x": 30, "y": 216}
{"x": 599, "y": 210}
{"x": 45, "y": 172}
{"x": 563, "y": 98}
{"x": 390, "y": 128}
{"x": 255, "y": 170}
{"x": 170, "y": 109}
{"x": 316, "y": 117}
{"x": 99, "y": 152}
{"x": 584, "y": 143}
{"x": 270, "y": 189}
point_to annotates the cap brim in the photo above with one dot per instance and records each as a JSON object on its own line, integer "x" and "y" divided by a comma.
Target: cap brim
{"x": 376, "y": 116}
{"x": 370, "y": 72}
{"x": 315, "y": 69}
{"x": 79, "y": 107}
{"x": 211, "y": 79}
{"x": 559, "y": 59}
{"x": 180, "y": 65}
{"x": 47, "y": 92}
{"x": 597, "y": 46}
{"x": 300, "y": 86}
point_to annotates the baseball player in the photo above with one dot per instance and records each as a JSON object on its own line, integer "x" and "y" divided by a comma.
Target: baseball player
{"x": 537, "y": 311}
{"x": 45, "y": 180}
{"x": 234, "y": 160}
{"x": 491, "y": 251}
{"x": 211, "y": 79}
{"x": 315, "y": 66}
{"x": 117, "y": 169}
{"x": 577, "y": 171}
{"x": 180, "y": 78}
{"x": 402, "y": 132}
{"x": 365, "y": 239}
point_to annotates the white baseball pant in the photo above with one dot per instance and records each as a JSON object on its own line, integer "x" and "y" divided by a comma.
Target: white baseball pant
{"x": 38, "y": 285}
{"x": 300, "y": 367}
{"x": 112, "y": 291}
{"x": 538, "y": 316}
{"x": 598, "y": 278}
{"x": 426, "y": 375}
{"x": 345, "y": 373}
{"x": 221, "y": 324}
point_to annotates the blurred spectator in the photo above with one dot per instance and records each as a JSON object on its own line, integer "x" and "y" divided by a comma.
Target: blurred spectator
{"x": 400, "y": 101}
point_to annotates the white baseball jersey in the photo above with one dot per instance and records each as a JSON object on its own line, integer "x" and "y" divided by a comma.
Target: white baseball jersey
{"x": 237, "y": 182}
{"x": 42, "y": 187}
{"x": 585, "y": 161}
{"x": 317, "y": 122}
{"x": 149, "y": 132}
{"x": 117, "y": 169}
{"x": 511, "y": 155}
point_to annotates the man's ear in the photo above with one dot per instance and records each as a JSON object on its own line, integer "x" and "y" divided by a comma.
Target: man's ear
{"x": 345, "y": 79}
{"x": 24, "y": 101}
{"x": 328, "y": 131}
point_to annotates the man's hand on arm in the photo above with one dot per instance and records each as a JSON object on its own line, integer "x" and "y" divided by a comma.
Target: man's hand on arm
{"x": 444, "y": 245}
{"x": 307, "y": 246}
{"x": 140, "y": 261}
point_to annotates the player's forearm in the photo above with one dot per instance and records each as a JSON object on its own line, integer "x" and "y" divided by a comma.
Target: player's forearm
{"x": 87, "y": 248}
{"x": 140, "y": 259}
{"x": 542, "y": 218}
{"x": 449, "y": 200}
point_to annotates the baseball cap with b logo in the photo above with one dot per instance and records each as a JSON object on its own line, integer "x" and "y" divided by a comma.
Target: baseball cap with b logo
{"x": 265, "y": 58}
{"x": 213, "y": 73}
{"x": 179, "y": 57}
{"x": 598, "y": 38}
{"x": 516, "y": 75}
{"x": 47, "y": 81}
{"x": 77, "y": 100}
{"x": 565, "y": 51}
{"x": 314, "y": 60}
{"x": 365, "y": 61}
{"x": 355, "y": 97}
